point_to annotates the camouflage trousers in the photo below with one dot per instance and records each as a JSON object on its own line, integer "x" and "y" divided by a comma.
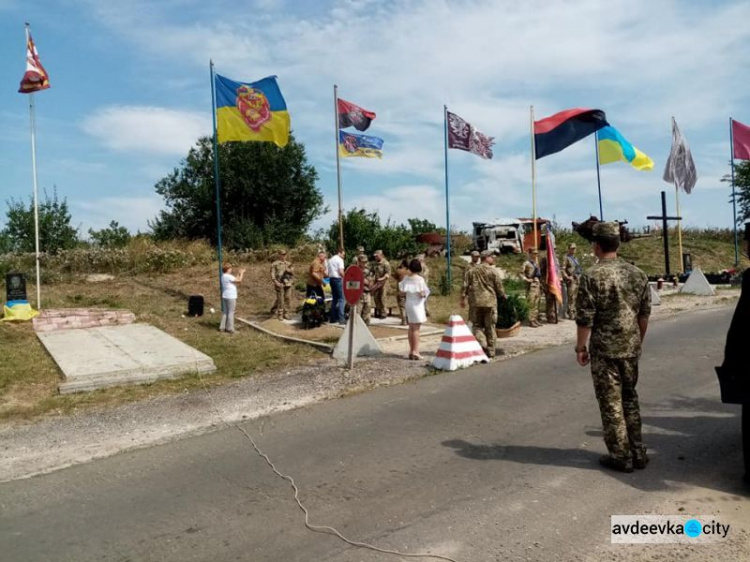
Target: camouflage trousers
{"x": 572, "y": 287}
{"x": 283, "y": 305}
{"x": 401, "y": 301}
{"x": 533, "y": 296}
{"x": 379, "y": 296}
{"x": 483, "y": 328}
{"x": 550, "y": 306}
{"x": 470, "y": 316}
{"x": 364, "y": 307}
{"x": 614, "y": 384}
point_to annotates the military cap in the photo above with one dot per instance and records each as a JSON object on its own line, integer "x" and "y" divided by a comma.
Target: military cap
{"x": 362, "y": 257}
{"x": 475, "y": 253}
{"x": 487, "y": 253}
{"x": 606, "y": 229}
{"x": 360, "y": 249}
{"x": 534, "y": 251}
{"x": 572, "y": 246}
{"x": 283, "y": 252}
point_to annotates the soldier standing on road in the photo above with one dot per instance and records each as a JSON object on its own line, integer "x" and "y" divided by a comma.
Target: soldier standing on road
{"x": 484, "y": 288}
{"x": 364, "y": 300}
{"x": 532, "y": 275}
{"x": 426, "y": 276}
{"x": 464, "y": 288}
{"x": 402, "y": 270}
{"x": 571, "y": 273}
{"x": 381, "y": 272}
{"x": 282, "y": 275}
{"x": 550, "y": 300}
{"x": 613, "y": 307}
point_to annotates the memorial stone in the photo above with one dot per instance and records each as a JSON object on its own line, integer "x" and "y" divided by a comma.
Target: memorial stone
{"x": 15, "y": 287}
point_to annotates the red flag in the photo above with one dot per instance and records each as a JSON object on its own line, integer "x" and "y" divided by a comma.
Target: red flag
{"x": 35, "y": 78}
{"x": 351, "y": 115}
{"x": 741, "y": 135}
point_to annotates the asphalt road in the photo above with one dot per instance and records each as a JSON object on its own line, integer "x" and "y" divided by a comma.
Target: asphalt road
{"x": 498, "y": 462}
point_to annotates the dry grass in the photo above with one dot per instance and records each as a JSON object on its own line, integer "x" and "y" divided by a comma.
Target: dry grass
{"x": 29, "y": 377}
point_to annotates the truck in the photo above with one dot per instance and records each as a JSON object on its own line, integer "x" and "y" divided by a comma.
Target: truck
{"x": 506, "y": 236}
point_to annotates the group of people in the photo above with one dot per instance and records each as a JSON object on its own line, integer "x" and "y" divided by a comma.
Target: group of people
{"x": 534, "y": 274}
{"x": 610, "y": 303}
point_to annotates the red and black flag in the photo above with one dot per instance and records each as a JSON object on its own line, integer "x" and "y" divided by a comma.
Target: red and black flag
{"x": 557, "y": 132}
{"x": 35, "y": 78}
{"x": 351, "y": 115}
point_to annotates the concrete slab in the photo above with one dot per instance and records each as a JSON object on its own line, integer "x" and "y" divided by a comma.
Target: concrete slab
{"x": 697, "y": 284}
{"x": 92, "y": 358}
{"x": 364, "y": 343}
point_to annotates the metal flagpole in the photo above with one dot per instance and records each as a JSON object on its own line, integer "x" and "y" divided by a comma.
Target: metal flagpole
{"x": 679, "y": 221}
{"x": 447, "y": 202}
{"x": 533, "y": 178}
{"x": 734, "y": 197}
{"x": 217, "y": 181}
{"x": 32, "y": 125}
{"x": 338, "y": 161}
{"x": 36, "y": 198}
{"x": 598, "y": 179}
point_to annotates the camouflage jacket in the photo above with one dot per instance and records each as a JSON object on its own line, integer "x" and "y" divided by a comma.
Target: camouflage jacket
{"x": 465, "y": 286}
{"x": 282, "y": 272}
{"x": 531, "y": 271}
{"x": 571, "y": 267}
{"x": 484, "y": 286}
{"x": 612, "y": 296}
{"x": 381, "y": 269}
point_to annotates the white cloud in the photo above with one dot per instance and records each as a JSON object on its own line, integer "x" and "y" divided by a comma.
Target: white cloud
{"x": 147, "y": 129}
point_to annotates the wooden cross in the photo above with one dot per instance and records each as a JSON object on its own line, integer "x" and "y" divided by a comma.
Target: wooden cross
{"x": 665, "y": 227}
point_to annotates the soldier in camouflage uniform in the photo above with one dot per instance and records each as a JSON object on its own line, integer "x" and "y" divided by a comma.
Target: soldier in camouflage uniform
{"x": 550, "y": 300}
{"x": 464, "y": 288}
{"x": 571, "y": 272}
{"x": 426, "y": 276}
{"x": 364, "y": 300}
{"x": 360, "y": 251}
{"x": 401, "y": 271}
{"x": 484, "y": 288}
{"x": 282, "y": 275}
{"x": 613, "y": 307}
{"x": 381, "y": 272}
{"x": 532, "y": 275}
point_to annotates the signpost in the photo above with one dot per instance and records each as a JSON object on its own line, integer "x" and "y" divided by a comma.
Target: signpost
{"x": 665, "y": 228}
{"x": 354, "y": 286}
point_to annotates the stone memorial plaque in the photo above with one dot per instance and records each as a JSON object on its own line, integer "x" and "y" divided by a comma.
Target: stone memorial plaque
{"x": 15, "y": 287}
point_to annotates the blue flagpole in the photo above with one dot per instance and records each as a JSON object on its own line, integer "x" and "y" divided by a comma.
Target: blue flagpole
{"x": 447, "y": 202}
{"x": 216, "y": 181}
{"x": 598, "y": 178}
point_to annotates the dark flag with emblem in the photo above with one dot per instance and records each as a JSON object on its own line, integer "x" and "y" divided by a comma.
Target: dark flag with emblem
{"x": 463, "y": 136}
{"x": 351, "y": 115}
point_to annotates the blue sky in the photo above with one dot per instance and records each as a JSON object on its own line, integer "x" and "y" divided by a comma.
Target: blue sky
{"x": 130, "y": 94}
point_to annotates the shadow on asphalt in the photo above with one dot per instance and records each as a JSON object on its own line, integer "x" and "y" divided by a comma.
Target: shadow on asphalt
{"x": 688, "y": 441}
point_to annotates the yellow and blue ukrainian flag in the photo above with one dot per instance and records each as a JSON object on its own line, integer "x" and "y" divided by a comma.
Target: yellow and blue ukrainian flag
{"x": 613, "y": 147}
{"x": 252, "y": 111}
{"x": 364, "y": 146}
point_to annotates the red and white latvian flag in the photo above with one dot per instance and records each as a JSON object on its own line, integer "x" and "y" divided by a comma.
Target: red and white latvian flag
{"x": 35, "y": 78}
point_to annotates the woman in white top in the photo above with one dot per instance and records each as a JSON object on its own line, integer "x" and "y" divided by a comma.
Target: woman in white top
{"x": 229, "y": 297}
{"x": 415, "y": 291}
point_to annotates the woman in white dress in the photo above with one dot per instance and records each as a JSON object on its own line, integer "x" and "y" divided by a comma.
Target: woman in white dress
{"x": 415, "y": 291}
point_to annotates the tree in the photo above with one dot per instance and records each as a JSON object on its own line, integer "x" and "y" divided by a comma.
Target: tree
{"x": 268, "y": 195}
{"x": 742, "y": 190}
{"x": 114, "y": 236}
{"x": 365, "y": 229}
{"x": 55, "y": 231}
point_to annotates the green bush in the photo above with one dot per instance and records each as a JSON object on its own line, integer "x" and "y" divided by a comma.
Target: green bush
{"x": 511, "y": 310}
